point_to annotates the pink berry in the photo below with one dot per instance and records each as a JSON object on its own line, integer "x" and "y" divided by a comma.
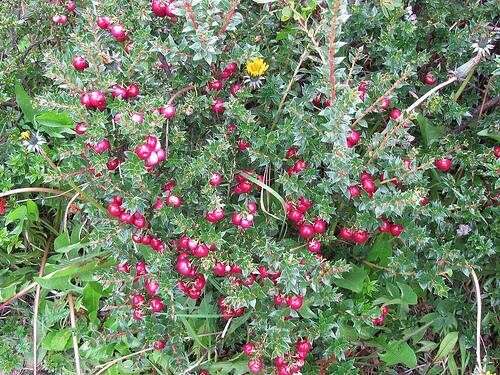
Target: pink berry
{"x": 118, "y": 32}
{"x": 104, "y": 22}
{"x": 80, "y": 63}
{"x": 444, "y": 165}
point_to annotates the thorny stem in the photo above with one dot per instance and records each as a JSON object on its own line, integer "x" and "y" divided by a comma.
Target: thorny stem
{"x": 229, "y": 17}
{"x": 180, "y": 93}
{"x": 331, "y": 50}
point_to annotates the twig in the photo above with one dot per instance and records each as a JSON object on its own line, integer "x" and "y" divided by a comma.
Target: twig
{"x": 375, "y": 103}
{"x": 331, "y": 49}
{"x": 229, "y": 16}
{"x": 34, "y": 190}
{"x": 411, "y": 108}
{"x": 485, "y": 106}
{"x": 36, "y": 302}
{"x": 464, "y": 83}
{"x": 73, "y": 328}
{"x": 66, "y": 212}
{"x": 19, "y": 294}
{"x": 226, "y": 328}
{"x": 302, "y": 58}
{"x": 107, "y": 365}
{"x": 189, "y": 12}
{"x": 197, "y": 363}
{"x": 478, "y": 319}
{"x": 179, "y": 93}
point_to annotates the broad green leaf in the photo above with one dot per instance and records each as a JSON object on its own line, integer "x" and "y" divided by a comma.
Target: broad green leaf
{"x": 236, "y": 367}
{"x": 54, "y": 119}
{"x": 399, "y": 352}
{"x": 56, "y": 340}
{"x": 381, "y": 249}
{"x": 92, "y": 293}
{"x": 191, "y": 332}
{"x": 61, "y": 241}
{"x": 18, "y": 214}
{"x": 452, "y": 366}
{"x": 7, "y": 291}
{"x": 430, "y": 133}
{"x": 408, "y": 296}
{"x": 352, "y": 280}
{"x": 446, "y": 346}
{"x": 32, "y": 210}
{"x": 72, "y": 247}
{"x": 24, "y": 102}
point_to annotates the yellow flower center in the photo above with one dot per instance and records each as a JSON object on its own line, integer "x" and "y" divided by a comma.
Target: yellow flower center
{"x": 24, "y": 135}
{"x": 257, "y": 67}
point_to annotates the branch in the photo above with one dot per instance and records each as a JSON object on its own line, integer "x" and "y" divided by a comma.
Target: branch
{"x": 180, "y": 93}
{"x": 190, "y": 14}
{"x": 107, "y": 365}
{"x": 375, "y": 103}
{"x": 36, "y": 303}
{"x": 229, "y": 16}
{"x": 34, "y": 190}
{"x": 73, "y": 328}
{"x": 411, "y": 108}
{"x": 19, "y": 294}
{"x": 478, "y": 319}
{"x": 331, "y": 49}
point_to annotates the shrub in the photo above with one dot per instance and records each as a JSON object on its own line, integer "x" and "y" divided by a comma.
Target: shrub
{"x": 313, "y": 184}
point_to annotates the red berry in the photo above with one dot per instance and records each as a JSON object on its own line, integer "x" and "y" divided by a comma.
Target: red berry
{"x": 159, "y": 345}
{"x": 112, "y": 164}
{"x": 424, "y": 201}
{"x": 395, "y": 113}
{"x": 174, "y": 201}
{"x": 133, "y": 91}
{"x": 303, "y": 346}
{"x": 137, "y": 300}
{"x": 291, "y": 152}
{"x": 353, "y": 137}
{"x": 123, "y": 267}
{"x": 152, "y": 287}
{"x": 104, "y": 22}
{"x": 385, "y": 227}
{"x": 71, "y": 6}
{"x": 168, "y": 111}
{"x": 218, "y": 106}
{"x": 201, "y": 251}
{"x": 369, "y": 186}
{"x": 235, "y": 88}
{"x": 444, "y": 165}
{"x": 243, "y": 144}
{"x": 119, "y": 92}
{"x": 360, "y": 237}
{"x": 378, "y": 321}
{"x": 304, "y": 204}
{"x": 384, "y": 310}
{"x": 137, "y": 314}
{"x": 354, "y": 191}
{"x": 496, "y": 151}
{"x": 396, "y": 229}
{"x": 80, "y": 63}
{"x": 306, "y": 231}
{"x": 248, "y": 348}
{"x": 215, "y": 179}
{"x": 60, "y": 19}
{"x": 156, "y": 304}
{"x": 346, "y": 234}
{"x": 98, "y": 100}
{"x": 159, "y": 8}
{"x": 429, "y": 79}
{"x": 295, "y": 302}
{"x": 141, "y": 267}
{"x": 215, "y": 85}
{"x": 320, "y": 226}
{"x": 255, "y": 365}
{"x": 114, "y": 210}
{"x": 385, "y": 103}
{"x": 80, "y": 128}
{"x": 314, "y": 246}
{"x": 118, "y": 32}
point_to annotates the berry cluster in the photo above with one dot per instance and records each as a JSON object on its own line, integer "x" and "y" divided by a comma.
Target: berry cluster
{"x": 227, "y": 311}
{"x": 116, "y": 211}
{"x": 379, "y": 320}
{"x": 391, "y": 228}
{"x": 151, "y": 152}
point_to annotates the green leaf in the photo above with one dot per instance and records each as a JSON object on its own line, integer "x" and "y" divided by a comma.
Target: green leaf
{"x": 56, "y": 340}
{"x": 446, "y": 346}
{"x": 92, "y": 293}
{"x": 19, "y": 214}
{"x": 486, "y": 133}
{"x": 381, "y": 249}
{"x": 24, "y": 102}
{"x": 430, "y": 133}
{"x": 352, "y": 280}
{"x": 399, "y": 352}
{"x": 61, "y": 242}
{"x": 408, "y": 296}
{"x": 32, "y": 210}
{"x": 54, "y": 119}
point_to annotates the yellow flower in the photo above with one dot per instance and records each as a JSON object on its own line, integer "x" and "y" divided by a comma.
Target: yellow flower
{"x": 25, "y": 135}
{"x": 257, "y": 67}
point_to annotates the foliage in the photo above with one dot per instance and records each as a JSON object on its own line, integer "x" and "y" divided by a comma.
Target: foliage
{"x": 382, "y": 304}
